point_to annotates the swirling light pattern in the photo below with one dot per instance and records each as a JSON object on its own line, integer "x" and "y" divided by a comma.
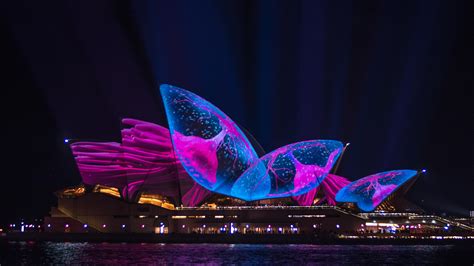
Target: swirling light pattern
{"x": 218, "y": 155}
{"x": 210, "y": 146}
{"x": 143, "y": 162}
{"x": 370, "y": 191}
{"x": 291, "y": 170}
{"x": 329, "y": 186}
{"x": 204, "y": 151}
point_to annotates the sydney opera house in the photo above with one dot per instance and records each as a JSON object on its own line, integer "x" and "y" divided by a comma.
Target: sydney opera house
{"x": 207, "y": 175}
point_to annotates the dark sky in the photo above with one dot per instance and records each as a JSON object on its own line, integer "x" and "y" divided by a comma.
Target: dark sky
{"x": 394, "y": 78}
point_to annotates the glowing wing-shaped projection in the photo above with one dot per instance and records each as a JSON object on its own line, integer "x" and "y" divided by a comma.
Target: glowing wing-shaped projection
{"x": 209, "y": 145}
{"x": 370, "y": 191}
{"x": 290, "y": 170}
{"x": 143, "y": 162}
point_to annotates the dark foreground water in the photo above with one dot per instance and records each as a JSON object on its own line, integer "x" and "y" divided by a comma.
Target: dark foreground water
{"x": 15, "y": 253}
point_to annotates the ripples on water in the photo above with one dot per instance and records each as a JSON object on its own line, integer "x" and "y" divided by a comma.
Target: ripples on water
{"x": 216, "y": 254}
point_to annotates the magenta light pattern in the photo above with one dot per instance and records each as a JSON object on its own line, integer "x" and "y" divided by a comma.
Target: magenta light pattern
{"x": 218, "y": 155}
{"x": 143, "y": 162}
{"x": 291, "y": 170}
{"x": 205, "y": 151}
{"x": 329, "y": 186}
{"x": 370, "y": 191}
{"x": 210, "y": 146}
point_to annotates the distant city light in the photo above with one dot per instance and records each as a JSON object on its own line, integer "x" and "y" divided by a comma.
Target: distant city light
{"x": 49, "y": 225}
{"x": 143, "y": 226}
{"x": 85, "y": 225}
{"x": 104, "y": 226}
{"x": 66, "y": 140}
{"x": 423, "y": 171}
{"x": 337, "y": 226}
{"x": 123, "y": 226}
{"x": 67, "y": 225}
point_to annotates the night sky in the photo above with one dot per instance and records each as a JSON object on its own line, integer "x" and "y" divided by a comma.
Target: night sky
{"x": 394, "y": 78}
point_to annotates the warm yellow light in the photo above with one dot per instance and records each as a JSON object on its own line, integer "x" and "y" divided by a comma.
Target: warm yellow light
{"x": 157, "y": 200}
{"x": 72, "y": 192}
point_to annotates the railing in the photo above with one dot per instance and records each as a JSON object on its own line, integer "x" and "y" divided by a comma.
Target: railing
{"x": 387, "y": 214}
{"x": 443, "y": 220}
{"x": 324, "y": 207}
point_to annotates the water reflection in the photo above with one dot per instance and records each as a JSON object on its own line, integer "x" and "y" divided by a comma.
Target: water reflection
{"x": 124, "y": 253}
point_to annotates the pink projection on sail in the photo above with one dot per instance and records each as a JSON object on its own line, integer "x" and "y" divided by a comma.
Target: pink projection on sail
{"x": 144, "y": 162}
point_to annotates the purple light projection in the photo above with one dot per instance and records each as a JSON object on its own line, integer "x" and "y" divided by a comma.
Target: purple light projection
{"x": 144, "y": 162}
{"x": 208, "y": 152}
{"x": 370, "y": 191}
{"x": 330, "y": 186}
{"x": 288, "y": 171}
{"x": 210, "y": 146}
{"x": 218, "y": 155}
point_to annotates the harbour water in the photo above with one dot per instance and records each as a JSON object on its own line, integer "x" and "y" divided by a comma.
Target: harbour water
{"x": 34, "y": 253}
